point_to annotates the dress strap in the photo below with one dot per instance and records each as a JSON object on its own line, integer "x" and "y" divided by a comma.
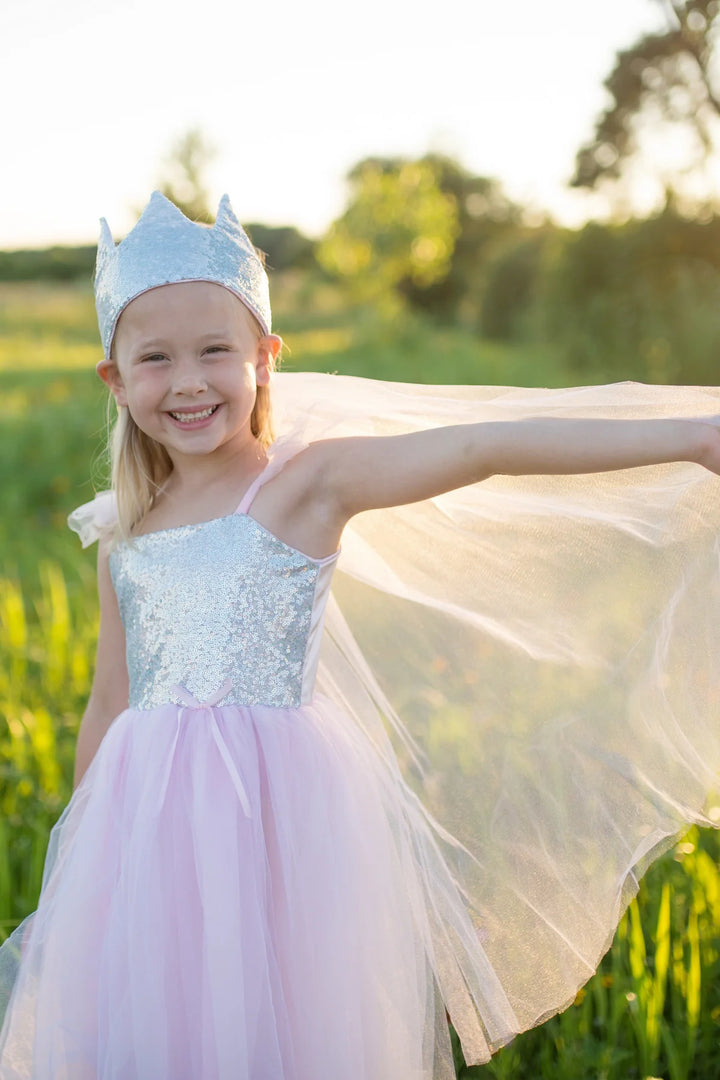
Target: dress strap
{"x": 279, "y": 454}
{"x": 255, "y": 486}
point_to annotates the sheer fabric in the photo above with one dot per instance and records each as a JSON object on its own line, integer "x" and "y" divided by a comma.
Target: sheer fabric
{"x": 539, "y": 655}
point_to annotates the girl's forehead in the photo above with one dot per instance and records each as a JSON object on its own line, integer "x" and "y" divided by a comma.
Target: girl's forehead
{"x": 200, "y": 295}
{"x": 179, "y": 304}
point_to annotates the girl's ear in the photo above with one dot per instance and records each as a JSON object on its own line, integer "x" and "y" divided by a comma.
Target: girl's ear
{"x": 268, "y": 348}
{"x": 110, "y": 375}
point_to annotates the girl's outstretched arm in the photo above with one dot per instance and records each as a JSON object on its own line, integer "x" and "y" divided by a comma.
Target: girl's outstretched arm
{"x": 368, "y": 473}
{"x": 109, "y": 694}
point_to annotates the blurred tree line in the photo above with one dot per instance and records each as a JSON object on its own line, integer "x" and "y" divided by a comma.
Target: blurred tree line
{"x": 634, "y": 297}
{"x": 641, "y": 297}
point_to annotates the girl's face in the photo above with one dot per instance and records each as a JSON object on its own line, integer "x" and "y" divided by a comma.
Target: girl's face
{"x": 187, "y": 361}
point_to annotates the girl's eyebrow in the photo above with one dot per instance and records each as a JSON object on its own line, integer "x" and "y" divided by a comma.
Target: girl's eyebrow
{"x": 152, "y": 344}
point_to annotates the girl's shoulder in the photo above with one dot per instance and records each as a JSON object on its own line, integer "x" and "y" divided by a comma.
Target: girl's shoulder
{"x": 98, "y": 518}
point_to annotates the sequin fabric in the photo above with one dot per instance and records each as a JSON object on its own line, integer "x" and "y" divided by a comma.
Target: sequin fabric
{"x": 165, "y": 247}
{"x": 223, "y": 599}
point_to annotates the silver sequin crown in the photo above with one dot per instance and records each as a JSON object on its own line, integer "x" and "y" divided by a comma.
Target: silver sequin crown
{"x": 166, "y": 247}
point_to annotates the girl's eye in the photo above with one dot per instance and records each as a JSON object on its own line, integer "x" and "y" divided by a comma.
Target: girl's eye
{"x": 154, "y": 357}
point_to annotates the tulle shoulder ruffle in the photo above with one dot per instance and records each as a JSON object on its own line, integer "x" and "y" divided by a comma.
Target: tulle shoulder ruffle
{"x": 95, "y": 518}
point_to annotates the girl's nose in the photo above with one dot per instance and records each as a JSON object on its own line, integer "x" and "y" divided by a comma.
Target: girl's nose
{"x": 189, "y": 382}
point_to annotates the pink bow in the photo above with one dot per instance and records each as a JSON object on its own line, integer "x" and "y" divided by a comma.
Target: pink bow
{"x": 207, "y": 707}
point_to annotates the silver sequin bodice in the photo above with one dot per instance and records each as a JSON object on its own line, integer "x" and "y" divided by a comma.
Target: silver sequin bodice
{"x": 223, "y": 599}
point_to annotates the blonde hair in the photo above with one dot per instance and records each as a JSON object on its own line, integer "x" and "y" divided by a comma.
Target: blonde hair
{"x": 140, "y": 466}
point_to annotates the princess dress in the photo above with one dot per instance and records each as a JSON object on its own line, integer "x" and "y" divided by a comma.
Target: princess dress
{"x": 300, "y": 846}
{"x": 225, "y": 895}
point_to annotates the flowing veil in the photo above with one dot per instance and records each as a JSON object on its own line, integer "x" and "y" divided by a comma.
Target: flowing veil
{"x": 536, "y": 659}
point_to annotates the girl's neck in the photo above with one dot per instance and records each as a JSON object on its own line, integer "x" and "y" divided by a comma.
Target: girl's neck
{"x": 209, "y": 477}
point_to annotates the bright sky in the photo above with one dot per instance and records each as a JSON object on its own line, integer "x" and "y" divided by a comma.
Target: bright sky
{"x": 292, "y": 93}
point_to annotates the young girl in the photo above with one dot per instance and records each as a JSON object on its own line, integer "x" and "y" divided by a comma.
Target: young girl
{"x": 308, "y": 825}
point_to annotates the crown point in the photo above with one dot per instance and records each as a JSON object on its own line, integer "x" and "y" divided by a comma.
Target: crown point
{"x": 106, "y": 236}
{"x": 225, "y": 217}
{"x": 159, "y": 206}
{"x": 105, "y": 249}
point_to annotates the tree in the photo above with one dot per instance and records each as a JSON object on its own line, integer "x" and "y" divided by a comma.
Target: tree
{"x": 399, "y": 227}
{"x": 284, "y": 246}
{"x": 639, "y": 300}
{"x": 183, "y": 175}
{"x": 422, "y": 229}
{"x": 486, "y": 219}
{"x": 511, "y": 278}
{"x": 665, "y": 79}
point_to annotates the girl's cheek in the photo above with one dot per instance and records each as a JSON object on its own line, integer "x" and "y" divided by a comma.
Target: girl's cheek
{"x": 146, "y": 379}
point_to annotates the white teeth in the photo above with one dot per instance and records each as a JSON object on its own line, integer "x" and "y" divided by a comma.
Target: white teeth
{"x": 188, "y": 418}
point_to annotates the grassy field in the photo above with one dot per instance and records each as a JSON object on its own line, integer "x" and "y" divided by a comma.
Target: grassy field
{"x": 653, "y": 1008}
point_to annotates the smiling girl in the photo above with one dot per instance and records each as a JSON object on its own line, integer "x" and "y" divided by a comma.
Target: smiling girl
{"x": 315, "y": 814}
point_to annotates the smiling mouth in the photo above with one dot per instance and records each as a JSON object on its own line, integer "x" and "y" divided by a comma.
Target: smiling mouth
{"x": 192, "y": 417}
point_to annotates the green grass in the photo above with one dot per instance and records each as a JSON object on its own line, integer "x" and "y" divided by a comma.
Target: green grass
{"x": 324, "y": 332}
{"x": 653, "y": 1008}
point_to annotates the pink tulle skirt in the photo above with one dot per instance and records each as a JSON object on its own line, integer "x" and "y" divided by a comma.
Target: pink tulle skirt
{"x": 179, "y": 937}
